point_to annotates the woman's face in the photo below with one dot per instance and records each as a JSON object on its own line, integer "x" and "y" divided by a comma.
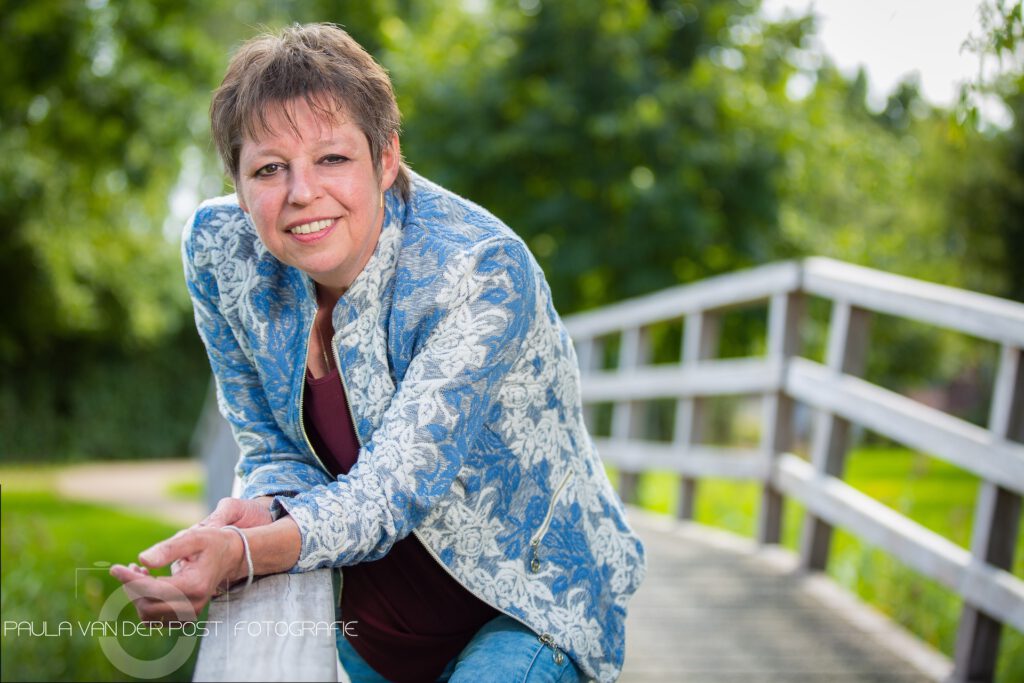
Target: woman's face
{"x": 313, "y": 194}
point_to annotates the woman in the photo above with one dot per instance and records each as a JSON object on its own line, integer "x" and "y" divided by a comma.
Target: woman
{"x": 404, "y": 395}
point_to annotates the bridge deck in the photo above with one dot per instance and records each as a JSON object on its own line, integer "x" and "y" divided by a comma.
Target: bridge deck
{"x": 713, "y": 608}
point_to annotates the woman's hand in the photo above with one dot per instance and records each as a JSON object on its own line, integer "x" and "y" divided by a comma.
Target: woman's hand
{"x": 205, "y": 559}
{"x": 240, "y": 512}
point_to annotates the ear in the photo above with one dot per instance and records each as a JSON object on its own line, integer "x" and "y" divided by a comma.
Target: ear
{"x": 390, "y": 161}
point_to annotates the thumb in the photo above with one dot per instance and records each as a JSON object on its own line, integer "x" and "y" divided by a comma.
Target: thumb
{"x": 226, "y": 512}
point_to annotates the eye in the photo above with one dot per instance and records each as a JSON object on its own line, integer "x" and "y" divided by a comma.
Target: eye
{"x": 268, "y": 170}
{"x": 334, "y": 159}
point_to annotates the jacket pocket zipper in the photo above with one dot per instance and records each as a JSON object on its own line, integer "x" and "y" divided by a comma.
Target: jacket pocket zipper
{"x": 543, "y": 530}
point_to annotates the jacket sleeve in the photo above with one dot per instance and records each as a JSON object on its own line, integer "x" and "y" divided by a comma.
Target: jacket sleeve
{"x": 270, "y": 462}
{"x": 435, "y": 416}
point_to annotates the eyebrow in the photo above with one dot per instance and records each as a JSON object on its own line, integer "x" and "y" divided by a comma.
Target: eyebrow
{"x": 259, "y": 152}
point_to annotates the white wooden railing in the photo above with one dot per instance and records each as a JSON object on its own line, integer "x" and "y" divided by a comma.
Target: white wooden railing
{"x": 992, "y": 595}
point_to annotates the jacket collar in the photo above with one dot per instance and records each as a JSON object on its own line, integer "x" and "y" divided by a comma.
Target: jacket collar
{"x": 361, "y": 326}
{"x": 365, "y": 296}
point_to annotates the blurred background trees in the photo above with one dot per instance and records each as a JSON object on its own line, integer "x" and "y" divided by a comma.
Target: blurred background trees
{"x": 634, "y": 144}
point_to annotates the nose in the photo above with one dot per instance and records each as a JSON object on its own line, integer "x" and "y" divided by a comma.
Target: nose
{"x": 304, "y": 185}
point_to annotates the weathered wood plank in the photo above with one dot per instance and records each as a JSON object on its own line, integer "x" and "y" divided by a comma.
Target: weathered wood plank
{"x": 996, "y": 591}
{"x": 589, "y": 359}
{"x": 733, "y": 376}
{"x": 996, "y": 522}
{"x": 700, "y": 343}
{"x": 785, "y": 315}
{"x": 847, "y": 350}
{"x": 932, "y": 431}
{"x": 694, "y": 461}
{"x": 715, "y": 293}
{"x": 983, "y": 316}
{"x": 628, "y": 413}
{"x": 281, "y": 628}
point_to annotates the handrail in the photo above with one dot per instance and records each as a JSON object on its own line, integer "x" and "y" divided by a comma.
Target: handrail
{"x": 281, "y": 628}
{"x": 979, "y": 575}
{"x": 714, "y": 293}
{"x": 981, "y": 315}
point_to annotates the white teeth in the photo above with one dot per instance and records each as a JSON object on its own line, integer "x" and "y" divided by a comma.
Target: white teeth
{"x": 315, "y": 226}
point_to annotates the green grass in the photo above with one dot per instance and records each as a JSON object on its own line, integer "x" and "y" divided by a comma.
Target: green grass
{"x": 938, "y": 496}
{"x": 53, "y": 559}
{"x": 185, "y": 489}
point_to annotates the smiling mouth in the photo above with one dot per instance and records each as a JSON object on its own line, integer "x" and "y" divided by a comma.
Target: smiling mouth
{"x": 312, "y": 227}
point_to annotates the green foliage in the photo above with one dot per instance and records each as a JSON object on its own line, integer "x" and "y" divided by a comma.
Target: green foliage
{"x": 991, "y": 193}
{"x": 97, "y": 104}
{"x": 606, "y": 136}
{"x": 99, "y": 403}
{"x": 44, "y": 541}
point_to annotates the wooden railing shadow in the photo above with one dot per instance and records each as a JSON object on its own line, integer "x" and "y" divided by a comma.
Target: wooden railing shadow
{"x": 992, "y": 595}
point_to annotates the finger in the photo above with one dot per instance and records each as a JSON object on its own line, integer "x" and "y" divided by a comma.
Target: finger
{"x": 179, "y": 546}
{"x": 161, "y": 600}
{"x": 122, "y": 573}
{"x": 153, "y": 591}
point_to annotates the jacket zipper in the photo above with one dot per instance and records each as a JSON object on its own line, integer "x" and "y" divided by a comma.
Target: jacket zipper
{"x": 344, "y": 387}
{"x": 543, "y": 530}
{"x": 302, "y": 403}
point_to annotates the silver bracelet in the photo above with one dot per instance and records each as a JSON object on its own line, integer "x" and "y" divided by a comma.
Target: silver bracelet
{"x": 248, "y": 554}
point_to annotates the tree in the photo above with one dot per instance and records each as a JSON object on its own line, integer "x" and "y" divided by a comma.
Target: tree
{"x": 993, "y": 196}
{"x": 97, "y": 105}
{"x": 603, "y": 135}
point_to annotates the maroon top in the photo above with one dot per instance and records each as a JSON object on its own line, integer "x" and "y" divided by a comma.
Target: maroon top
{"x": 413, "y": 617}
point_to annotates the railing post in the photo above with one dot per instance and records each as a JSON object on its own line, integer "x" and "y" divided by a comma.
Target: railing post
{"x": 215, "y": 445}
{"x": 700, "y": 342}
{"x": 785, "y": 314}
{"x": 627, "y": 418}
{"x": 588, "y": 355}
{"x": 847, "y": 346}
{"x": 996, "y": 523}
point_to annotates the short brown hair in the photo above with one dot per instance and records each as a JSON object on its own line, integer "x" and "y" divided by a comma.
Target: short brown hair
{"x": 318, "y": 62}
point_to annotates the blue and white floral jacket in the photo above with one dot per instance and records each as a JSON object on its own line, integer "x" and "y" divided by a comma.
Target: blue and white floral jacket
{"x": 465, "y": 395}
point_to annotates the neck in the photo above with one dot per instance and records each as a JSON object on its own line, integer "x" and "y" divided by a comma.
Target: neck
{"x": 327, "y": 296}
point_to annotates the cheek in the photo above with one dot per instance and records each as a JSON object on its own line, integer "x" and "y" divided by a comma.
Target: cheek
{"x": 262, "y": 213}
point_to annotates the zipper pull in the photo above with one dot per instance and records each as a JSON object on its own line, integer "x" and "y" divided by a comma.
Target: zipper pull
{"x": 556, "y": 654}
{"x": 535, "y": 561}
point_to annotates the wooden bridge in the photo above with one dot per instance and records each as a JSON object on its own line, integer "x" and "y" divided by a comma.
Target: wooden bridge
{"x": 719, "y": 608}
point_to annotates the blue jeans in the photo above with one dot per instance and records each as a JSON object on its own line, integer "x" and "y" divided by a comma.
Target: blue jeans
{"x": 502, "y": 651}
